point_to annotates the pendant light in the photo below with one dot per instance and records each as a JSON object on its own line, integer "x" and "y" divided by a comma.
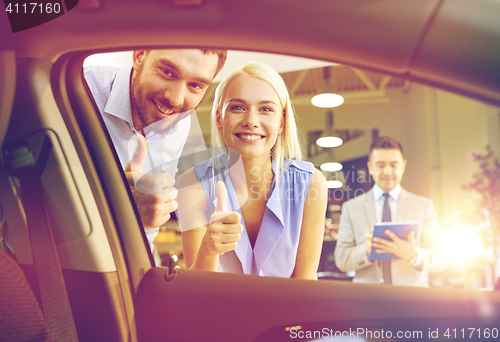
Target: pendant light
{"x": 329, "y": 138}
{"x": 326, "y": 97}
{"x": 334, "y": 184}
{"x": 331, "y": 167}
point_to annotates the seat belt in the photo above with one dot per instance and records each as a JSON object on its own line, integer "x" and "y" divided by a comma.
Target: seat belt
{"x": 20, "y": 162}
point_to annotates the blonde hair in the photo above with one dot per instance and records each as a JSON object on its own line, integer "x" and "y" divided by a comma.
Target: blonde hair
{"x": 287, "y": 145}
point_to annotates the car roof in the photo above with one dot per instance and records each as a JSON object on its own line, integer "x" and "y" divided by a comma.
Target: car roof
{"x": 452, "y": 44}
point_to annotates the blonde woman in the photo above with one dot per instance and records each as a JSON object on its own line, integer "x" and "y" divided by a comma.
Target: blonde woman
{"x": 256, "y": 208}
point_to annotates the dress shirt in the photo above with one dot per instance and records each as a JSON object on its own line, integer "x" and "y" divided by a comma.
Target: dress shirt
{"x": 110, "y": 88}
{"x": 378, "y": 197}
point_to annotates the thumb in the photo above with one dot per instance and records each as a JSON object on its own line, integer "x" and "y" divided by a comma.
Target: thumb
{"x": 411, "y": 236}
{"x": 221, "y": 197}
{"x": 140, "y": 152}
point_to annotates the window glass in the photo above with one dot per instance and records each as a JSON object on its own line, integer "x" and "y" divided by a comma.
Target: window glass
{"x": 451, "y": 148}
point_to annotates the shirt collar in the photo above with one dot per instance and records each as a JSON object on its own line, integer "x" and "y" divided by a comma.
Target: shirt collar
{"x": 378, "y": 192}
{"x": 118, "y": 103}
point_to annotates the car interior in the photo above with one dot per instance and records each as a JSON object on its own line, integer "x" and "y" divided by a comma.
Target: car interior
{"x": 74, "y": 260}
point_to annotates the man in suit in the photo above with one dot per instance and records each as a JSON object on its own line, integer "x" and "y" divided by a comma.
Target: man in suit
{"x": 387, "y": 201}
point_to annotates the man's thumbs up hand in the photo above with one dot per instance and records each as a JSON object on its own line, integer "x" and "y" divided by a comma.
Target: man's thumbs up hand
{"x": 225, "y": 227}
{"x": 140, "y": 153}
{"x": 154, "y": 195}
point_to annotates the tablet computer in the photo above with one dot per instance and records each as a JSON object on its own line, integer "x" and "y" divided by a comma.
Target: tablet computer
{"x": 401, "y": 229}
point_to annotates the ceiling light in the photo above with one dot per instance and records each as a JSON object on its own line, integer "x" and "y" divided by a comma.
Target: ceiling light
{"x": 329, "y": 138}
{"x": 331, "y": 167}
{"x": 326, "y": 97}
{"x": 334, "y": 184}
{"x": 329, "y": 141}
{"x": 327, "y": 100}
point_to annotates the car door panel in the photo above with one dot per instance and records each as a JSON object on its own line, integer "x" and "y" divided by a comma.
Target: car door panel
{"x": 233, "y": 307}
{"x": 89, "y": 269}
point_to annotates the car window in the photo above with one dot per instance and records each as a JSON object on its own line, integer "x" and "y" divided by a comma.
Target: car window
{"x": 451, "y": 147}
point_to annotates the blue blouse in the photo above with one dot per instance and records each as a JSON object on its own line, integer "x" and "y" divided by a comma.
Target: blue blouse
{"x": 275, "y": 249}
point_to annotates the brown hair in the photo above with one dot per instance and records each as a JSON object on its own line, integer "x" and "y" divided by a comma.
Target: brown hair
{"x": 386, "y": 143}
{"x": 221, "y": 54}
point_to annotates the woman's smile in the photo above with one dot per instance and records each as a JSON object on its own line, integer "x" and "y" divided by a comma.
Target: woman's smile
{"x": 250, "y": 137}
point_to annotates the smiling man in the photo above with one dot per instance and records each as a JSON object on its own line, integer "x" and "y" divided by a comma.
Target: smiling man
{"x": 387, "y": 201}
{"x": 146, "y": 110}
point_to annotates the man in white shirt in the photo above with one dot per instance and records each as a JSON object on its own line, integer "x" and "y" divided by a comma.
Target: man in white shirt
{"x": 153, "y": 99}
{"x": 387, "y": 201}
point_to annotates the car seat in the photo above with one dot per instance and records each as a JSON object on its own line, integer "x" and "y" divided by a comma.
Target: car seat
{"x": 21, "y": 318}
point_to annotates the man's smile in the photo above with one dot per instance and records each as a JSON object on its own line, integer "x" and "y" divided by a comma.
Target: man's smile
{"x": 163, "y": 109}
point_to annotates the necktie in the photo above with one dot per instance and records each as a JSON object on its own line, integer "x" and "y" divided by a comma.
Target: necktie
{"x": 386, "y": 217}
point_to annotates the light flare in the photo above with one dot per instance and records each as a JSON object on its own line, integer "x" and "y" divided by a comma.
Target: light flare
{"x": 462, "y": 243}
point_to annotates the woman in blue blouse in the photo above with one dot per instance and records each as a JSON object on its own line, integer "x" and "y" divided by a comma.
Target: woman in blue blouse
{"x": 255, "y": 207}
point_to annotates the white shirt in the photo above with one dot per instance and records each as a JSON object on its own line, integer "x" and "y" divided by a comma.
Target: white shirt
{"x": 110, "y": 87}
{"x": 378, "y": 197}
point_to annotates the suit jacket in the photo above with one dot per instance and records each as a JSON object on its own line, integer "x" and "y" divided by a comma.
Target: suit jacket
{"x": 358, "y": 218}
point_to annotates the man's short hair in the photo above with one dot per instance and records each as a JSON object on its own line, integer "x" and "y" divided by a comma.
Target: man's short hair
{"x": 221, "y": 54}
{"x": 386, "y": 143}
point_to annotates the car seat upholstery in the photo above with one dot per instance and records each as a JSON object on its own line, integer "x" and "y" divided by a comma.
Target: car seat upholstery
{"x": 21, "y": 318}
